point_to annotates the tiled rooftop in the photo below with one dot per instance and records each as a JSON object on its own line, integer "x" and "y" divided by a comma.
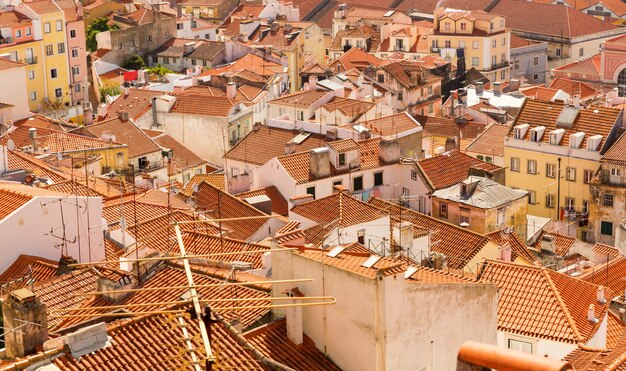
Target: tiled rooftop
{"x": 301, "y": 99}
{"x": 34, "y": 267}
{"x": 136, "y": 102}
{"x": 340, "y": 208}
{"x": 126, "y": 132}
{"x": 22, "y": 161}
{"x": 348, "y": 107}
{"x": 279, "y": 203}
{"x": 391, "y": 125}
{"x": 562, "y": 243}
{"x": 609, "y": 251}
{"x": 217, "y": 180}
{"x": 448, "y": 128}
{"x": 573, "y": 87}
{"x": 353, "y": 261}
{"x": 518, "y": 248}
{"x": 355, "y": 58}
{"x": 11, "y": 201}
{"x": 183, "y": 159}
{"x": 616, "y": 154}
{"x": 456, "y": 165}
{"x": 611, "y": 274}
{"x": 491, "y": 141}
{"x": 206, "y": 105}
{"x": 538, "y": 302}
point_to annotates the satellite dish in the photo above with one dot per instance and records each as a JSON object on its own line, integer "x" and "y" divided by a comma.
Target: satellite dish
{"x": 59, "y": 156}
{"x": 10, "y": 144}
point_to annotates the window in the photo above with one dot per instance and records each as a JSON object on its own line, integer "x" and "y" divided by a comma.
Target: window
{"x": 443, "y": 210}
{"x": 59, "y": 25}
{"x": 558, "y": 52}
{"x": 551, "y": 170}
{"x": 46, "y": 27}
{"x": 464, "y": 215}
{"x": 430, "y": 90}
{"x": 504, "y": 41}
{"x": 311, "y": 191}
{"x": 475, "y": 44}
{"x": 481, "y": 157}
{"x": 31, "y": 75}
{"x": 13, "y": 56}
{"x": 502, "y": 74}
{"x": 616, "y": 172}
{"x": 72, "y": 34}
{"x": 18, "y": 34}
{"x": 360, "y": 236}
{"x": 446, "y": 26}
{"x": 570, "y": 203}
{"x": 61, "y": 48}
{"x": 570, "y": 174}
{"x": 166, "y": 60}
{"x": 77, "y": 88}
{"x": 501, "y": 23}
{"x": 490, "y": 26}
{"x": 58, "y": 92}
{"x": 435, "y": 44}
{"x": 532, "y": 197}
{"x": 475, "y": 61}
{"x": 536, "y": 61}
{"x": 49, "y": 50}
{"x": 378, "y": 179}
{"x": 53, "y": 73}
{"x": 521, "y": 346}
{"x": 149, "y": 37}
{"x": 606, "y": 228}
{"x": 155, "y": 59}
{"x": 447, "y": 44}
{"x": 514, "y": 164}
{"x": 75, "y": 53}
{"x": 342, "y": 159}
{"x": 489, "y": 159}
{"x": 413, "y": 174}
{"x": 532, "y": 167}
{"x": 337, "y": 183}
{"x": 463, "y": 26}
{"x": 120, "y": 46}
{"x": 621, "y": 83}
{"x": 607, "y": 200}
{"x": 400, "y": 97}
{"x": 143, "y": 162}
{"x": 28, "y": 31}
{"x": 381, "y": 78}
{"x": 494, "y": 60}
{"x": 75, "y": 70}
{"x": 587, "y": 176}
{"x": 357, "y": 183}
{"x": 581, "y": 52}
{"x": 179, "y": 26}
{"x": 430, "y": 108}
{"x": 585, "y": 206}
{"x": 500, "y": 213}
{"x": 535, "y": 77}
{"x": 549, "y": 200}
{"x": 174, "y": 60}
{"x": 33, "y": 95}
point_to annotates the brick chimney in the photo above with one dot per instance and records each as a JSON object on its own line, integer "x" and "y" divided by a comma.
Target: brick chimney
{"x": 64, "y": 263}
{"x": 320, "y": 162}
{"x": 25, "y": 323}
{"x": 123, "y": 115}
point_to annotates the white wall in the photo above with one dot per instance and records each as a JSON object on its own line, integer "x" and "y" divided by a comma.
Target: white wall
{"x": 29, "y": 229}
{"x": 17, "y": 94}
{"x": 541, "y": 347}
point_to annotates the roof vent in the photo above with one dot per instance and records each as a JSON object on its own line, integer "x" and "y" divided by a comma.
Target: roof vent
{"x": 567, "y": 116}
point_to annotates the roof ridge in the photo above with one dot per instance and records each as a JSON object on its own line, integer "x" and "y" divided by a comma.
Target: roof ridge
{"x": 562, "y": 304}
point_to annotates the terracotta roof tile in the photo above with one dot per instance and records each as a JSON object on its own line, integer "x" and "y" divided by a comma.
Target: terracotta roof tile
{"x": 391, "y": 125}
{"x": 127, "y": 132}
{"x": 562, "y": 244}
{"x": 607, "y": 250}
{"x": 355, "y": 58}
{"x": 614, "y": 331}
{"x": 340, "y": 209}
{"x": 460, "y": 245}
{"x": 272, "y": 341}
{"x": 21, "y": 161}
{"x": 260, "y": 146}
{"x": 616, "y": 154}
{"x": 456, "y": 164}
{"x": 344, "y": 145}
{"x": 348, "y": 107}
{"x": 490, "y": 141}
{"x": 11, "y": 201}
{"x": 518, "y": 248}
{"x": 217, "y": 204}
{"x": 303, "y": 98}
{"x": 611, "y": 274}
{"x": 206, "y": 105}
{"x": 353, "y": 261}
{"x": 250, "y": 62}
{"x": 32, "y": 268}
{"x": 279, "y": 203}
{"x": 217, "y": 180}
{"x": 136, "y": 102}
{"x": 588, "y": 66}
{"x": 573, "y": 87}
{"x": 538, "y": 302}
{"x": 183, "y": 159}
{"x": 94, "y": 187}
{"x": 449, "y": 128}
{"x": 43, "y": 7}
{"x": 520, "y": 42}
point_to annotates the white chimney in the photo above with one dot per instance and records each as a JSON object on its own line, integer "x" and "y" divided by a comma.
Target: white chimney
{"x": 576, "y": 100}
{"x": 231, "y": 90}
{"x": 294, "y": 319}
{"x": 189, "y": 72}
{"x": 312, "y": 82}
{"x": 591, "y": 313}
{"x": 198, "y": 69}
{"x": 600, "y": 295}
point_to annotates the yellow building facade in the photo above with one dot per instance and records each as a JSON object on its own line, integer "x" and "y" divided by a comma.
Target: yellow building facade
{"x": 483, "y": 39}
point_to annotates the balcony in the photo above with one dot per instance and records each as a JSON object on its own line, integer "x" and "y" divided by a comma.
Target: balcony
{"x": 6, "y": 40}
{"x": 31, "y": 60}
{"x": 497, "y": 66}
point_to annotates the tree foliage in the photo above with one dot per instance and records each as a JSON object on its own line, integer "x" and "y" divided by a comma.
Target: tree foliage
{"x": 110, "y": 88}
{"x": 159, "y": 70}
{"x": 97, "y": 26}
{"x": 134, "y": 63}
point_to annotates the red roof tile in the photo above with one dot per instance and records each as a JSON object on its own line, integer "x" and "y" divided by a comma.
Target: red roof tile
{"x": 573, "y": 87}
{"x": 126, "y": 132}
{"x": 11, "y": 201}
{"x": 136, "y": 102}
{"x": 456, "y": 164}
{"x": 490, "y": 141}
{"x": 562, "y": 244}
{"x": 340, "y": 208}
{"x": 611, "y": 274}
{"x": 279, "y": 203}
{"x": 29, "y": 268}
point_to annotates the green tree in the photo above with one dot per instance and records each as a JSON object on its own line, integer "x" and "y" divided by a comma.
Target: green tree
{"x": 159, "y": 70}
{"x": 110, "y": 88}
{"x": 99, "y": 25}
{"x": 134, "y": 63}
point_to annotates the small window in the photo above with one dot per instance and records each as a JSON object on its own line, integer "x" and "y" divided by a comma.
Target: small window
{"x": 536, "y": 61}
{"x": 53, "y": 73}
{"x": 535, "y": 77}
{"x": 463, "y": 26}
{"x": 311, "y": 191}
{"x": 59, "y": 25}
{"x": 360, "y": 235}
{"x": 581, "y": 52}
{"x": 475, "y": 61}
{"x": 400, "y": 96}
{"x": 550, "y": 200}
{"x": 342, "y": 159}
{"x": 58, "y": 92}
{"x": 607, "y": 200}
{"x": 587, "y": 176}
{"x": 75, "y": 53}
{"x": 570, "y": 203}
{"x": 337, "y": 183}
{"x": 521, "y": 346}
{"x": 49, "y": 50}
{"x": 532, "y": 167}
{"x": 551, "y": 170}
{"x": 464, "y": 215}
{"x": 61, "y": 48}
{"x": 585, "y": 206}
{"x": 18, "y": 34}
{"x": 72, "y": 34}
{"x": 378, "y": 179}
{"x": 443, "y": 210}
{"x": 475, "y": 44}
{"x": 616, "y": 172}
{"x": 75, "y": 70}
{"x": 514, "y": 164}
{"x": 77, "y": 88}
{"x": 28, "y": 32}
{"x": 558, "y": 52}
{"x": 149, "y": 37}
{"x": 143, "y": 162}
{"x": 447, "y": 44}
{"x": 413, "y": 174}
{"x": 33, "y": 95}
{"x": 46, "y": 27}
{"x": 31, "y": 75}
{"x": 504, "y": 41}
{"x": 570, "y": 174}
{"x": 357, "y": 183}
{"x": 381, "y": 78}
{"x": 532, "y": 197}
{"x": 494, "y": 43}
{"x": 481, "y": 157}
{"x": 606, "y": 228}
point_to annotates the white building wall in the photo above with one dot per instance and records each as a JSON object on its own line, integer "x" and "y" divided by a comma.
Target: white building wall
{"x": 30, "y": 229}
{"x": 17, "y": 95}
{"x": 541, "y": 347}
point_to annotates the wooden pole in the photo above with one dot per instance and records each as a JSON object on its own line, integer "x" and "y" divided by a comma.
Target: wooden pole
{"x": 122, "y": 306}
{"x": 227, "y": 219}
{"x": 125, "y": 314}
{"x": 277, "y": 306}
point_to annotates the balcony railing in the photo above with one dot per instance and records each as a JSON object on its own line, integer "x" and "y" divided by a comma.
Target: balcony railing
{"x": 499, "y": 65}
{"x": 31, "y": 60}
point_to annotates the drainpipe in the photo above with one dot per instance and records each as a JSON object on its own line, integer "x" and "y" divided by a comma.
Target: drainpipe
{"x": 558, "y": 189}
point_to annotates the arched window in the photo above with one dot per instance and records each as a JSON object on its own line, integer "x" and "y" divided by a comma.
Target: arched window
{"x": 621, "y": 83}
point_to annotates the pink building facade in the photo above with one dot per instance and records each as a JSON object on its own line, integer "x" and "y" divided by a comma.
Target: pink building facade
{"x": 77, "y": 51}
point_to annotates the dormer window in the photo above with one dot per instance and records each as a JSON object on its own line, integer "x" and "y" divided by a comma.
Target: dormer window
{"x": 342, "y": 159}
{"x": 556, "y": 136}
{"x": 520, "y": 131}
{"x": 576, "y": 139}
{"x": 537, "y": 133}
{"x": 593, "y": 142}
{"x": 446, "y": 26}
{"x": 463, "y": 26}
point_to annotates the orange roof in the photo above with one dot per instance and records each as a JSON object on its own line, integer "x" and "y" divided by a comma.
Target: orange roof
{"x": 457, "y": 165}
{"x": 112, "y": 211}
{"x": 607, "y": 250}
{"x": 94, "y": 187}
{"x": 460, "y": 245}
{"x": 614, "y": 331}
{"x": 12, "y": 19}
{"x": 202, "y": 104}
{"x": 67, "y": 142}
{"x": 136, "y": 102}
{"x": 43, "y": 7}
{"x": 303, "y": 98}
{"x": 520, "y": 42}
{"x": 183, "y": 159}
{"x": 279, "y": 203}
{"x": 348, "y": 107}
{"x": 355, "y": 58}
{"x": 391, "y": 125}
{"x": 573, "y": 87}
{"x": 518, "y": 248}
{"x": 538, "y": 302}
{"x": 353, "y": 262}
{"x": 260, "y": 146}
{"x": 272, "y": 341}
{"x": 611, "y": 274}
{"x": 217, "y": 204}
{"x": 562, "y": 244}
{"x": 28, "y": 268}
{"x": 539, "y": 92}
{"x": 616, "y": 154}
{"x": 139, "y": 143}
{"x": 6, "y": 64}
{"x": 612, "y": 358}
{"x": 591, "y": 121}
{"x": 340, "y": 209}
{"x": 217, "y": 180}
{"x": 22, "y": 161}
{"x": 250, "y": 62}
{"x": 449, "y": 128}
{"x": 11, "y": 201}
{"x": 588, "y": 66}
{"x": 491, "y": 141}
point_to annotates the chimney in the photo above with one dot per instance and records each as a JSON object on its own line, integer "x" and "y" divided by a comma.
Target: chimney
{"x": 547, "y": 242}
{"x": 198, "y": 69}
{"x": 64, "y": 265}
{"x": 294, "y": 318}
{"x": 591, "y": 312}
{"x": 313, "y": 82}
{"x": 261, "y": 202}
{"x": 389, "y": 151}
{"x": 189, "y": 47}
{"x": 297, "y": 200}
{"x": 319, "y": 162}
{"x": 305, "y": 86}
{"x": 290, "y": 147}
{"x": 288, "y": 27}
{"x": 388, "y": 99}
{"x": 243, "y": 37}
{"x": 479, "y": 87}
{"x": 88, "y": 115}
{"x": 505, "y": 252}
{"x": 32, "y": 135}
{"x": 25, "y": 323}
{"x": 189, "y": 72}
{"x": 600, "y": 295}
{"x": 331, "y": 133}
{"x": 497, "y": 88}
{"x": 123, "y": 115}
{"x": 274, "y": 26}
{"x": 576, "y": 100}
{"x": 365, "y": 134}
{"x": 514, "y": 85}
{"x": 109, "y": 288}
{"x": 231, "y": 90}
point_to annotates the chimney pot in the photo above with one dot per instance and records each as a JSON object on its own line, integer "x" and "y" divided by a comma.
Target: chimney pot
{"x": 600, "y": 295}
{"x": 122, "y": 115}
{"x": 591, "y": 313}
{"x": 389, "y": 151}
